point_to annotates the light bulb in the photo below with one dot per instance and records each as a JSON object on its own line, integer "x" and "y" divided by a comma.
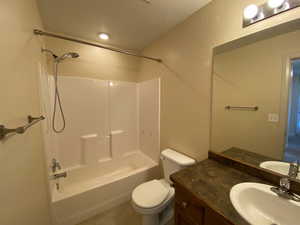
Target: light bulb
{"x": 103, "y": 36}
{"x": 250, "y": 11}
{"x": 274, "y": 4}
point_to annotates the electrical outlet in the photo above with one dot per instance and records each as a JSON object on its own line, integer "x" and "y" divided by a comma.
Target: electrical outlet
{"x": 273, "y": 117}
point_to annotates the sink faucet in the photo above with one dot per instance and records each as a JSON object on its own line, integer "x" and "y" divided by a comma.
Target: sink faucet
{"x": 294, "y": 169}
{"x": 284, "y": 189}
{"x": 285, "y": 184}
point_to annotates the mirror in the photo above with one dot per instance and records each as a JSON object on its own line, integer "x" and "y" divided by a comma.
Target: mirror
{"x": 256, "y": 99}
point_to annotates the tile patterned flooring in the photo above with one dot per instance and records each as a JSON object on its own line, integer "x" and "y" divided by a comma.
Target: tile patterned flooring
{"x": 123, "y": 214}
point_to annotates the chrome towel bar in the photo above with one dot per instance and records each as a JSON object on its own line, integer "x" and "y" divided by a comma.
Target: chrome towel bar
{"x": 249, "y": 108}
{"x": 19, "y": 130}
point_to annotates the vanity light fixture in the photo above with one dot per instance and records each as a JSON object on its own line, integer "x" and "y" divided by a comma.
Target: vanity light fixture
{"x": 104, "y": 36}
{"x": 253, "y": 13}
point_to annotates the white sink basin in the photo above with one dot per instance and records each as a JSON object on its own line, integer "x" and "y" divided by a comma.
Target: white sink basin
{"x": 257, "y": 204}
{"x": 276, "y": 166}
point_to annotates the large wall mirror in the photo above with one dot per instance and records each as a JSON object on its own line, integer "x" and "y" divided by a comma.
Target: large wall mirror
{"x": 256, "y": 96}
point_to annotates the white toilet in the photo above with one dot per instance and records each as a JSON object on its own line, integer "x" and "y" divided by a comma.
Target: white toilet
{"x": 154, "y": 199}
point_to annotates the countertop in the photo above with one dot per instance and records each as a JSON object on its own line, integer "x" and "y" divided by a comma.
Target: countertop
{"x": 211, "y": 181}
{"x": 247, "y": 156}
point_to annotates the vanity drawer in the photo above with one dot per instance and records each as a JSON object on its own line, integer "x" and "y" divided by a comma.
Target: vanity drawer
{"x": 186, "y": 205}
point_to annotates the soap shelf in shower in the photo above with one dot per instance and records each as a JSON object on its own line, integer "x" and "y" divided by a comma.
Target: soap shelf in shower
{"x": 20, "y": 130}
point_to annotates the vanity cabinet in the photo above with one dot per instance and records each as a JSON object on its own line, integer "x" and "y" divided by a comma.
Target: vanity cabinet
{"x": 191, "y": 211}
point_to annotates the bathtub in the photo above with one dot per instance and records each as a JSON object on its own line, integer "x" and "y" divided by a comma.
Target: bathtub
{"x": 110, "y": 145}
{"x": 88, "y": 191}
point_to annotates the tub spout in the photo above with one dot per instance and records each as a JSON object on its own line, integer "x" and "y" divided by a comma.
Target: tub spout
{"x": 58, "y": 175}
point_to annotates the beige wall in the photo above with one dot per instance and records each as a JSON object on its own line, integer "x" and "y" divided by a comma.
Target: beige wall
{"x": 23, "y": 193}
{"x": 186, "y": 83}
{"x": 93, "y": 62}
{"x": 252, "y": 75}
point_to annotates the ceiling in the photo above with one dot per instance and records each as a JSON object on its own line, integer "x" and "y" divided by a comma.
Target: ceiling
{"x": 132, "y": 24}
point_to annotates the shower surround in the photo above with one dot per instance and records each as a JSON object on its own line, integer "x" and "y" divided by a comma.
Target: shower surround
{"x": 110, "y": 144}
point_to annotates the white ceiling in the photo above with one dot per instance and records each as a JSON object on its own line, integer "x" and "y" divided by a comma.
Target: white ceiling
{"x": 132, "y": 24}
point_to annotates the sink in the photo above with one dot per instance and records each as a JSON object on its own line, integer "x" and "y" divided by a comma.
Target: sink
{"x": 258, "y": 205}
{"x": 276, "y": 166}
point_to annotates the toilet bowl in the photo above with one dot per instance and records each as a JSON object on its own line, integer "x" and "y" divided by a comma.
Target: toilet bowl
{"x": 154, "y": 199}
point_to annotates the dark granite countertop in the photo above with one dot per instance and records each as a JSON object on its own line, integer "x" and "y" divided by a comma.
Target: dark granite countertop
{"x": 211, "y": 181}
{"x": 247, "y": 156}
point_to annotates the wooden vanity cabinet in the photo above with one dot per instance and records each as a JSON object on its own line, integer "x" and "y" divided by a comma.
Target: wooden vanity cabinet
{"x": 191, "y": 211}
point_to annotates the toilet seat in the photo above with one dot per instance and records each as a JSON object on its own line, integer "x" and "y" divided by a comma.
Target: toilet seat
{"x": 150, "y": 194}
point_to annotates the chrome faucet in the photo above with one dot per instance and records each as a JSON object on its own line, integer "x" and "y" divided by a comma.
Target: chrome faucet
{"x": 58, "y": 175}
{"x": 284, "y": 189}
{"x": 56, "y": 178}
{"x": 55, "y": 165}
{"x": 294, "y": 169}
{"x": 285, "y": 184}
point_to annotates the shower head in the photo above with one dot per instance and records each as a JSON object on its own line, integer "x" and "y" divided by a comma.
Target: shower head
{"x": 67, "y": 55}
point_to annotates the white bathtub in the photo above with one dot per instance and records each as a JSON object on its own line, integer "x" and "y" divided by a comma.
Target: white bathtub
{"x": 88, "y": 191}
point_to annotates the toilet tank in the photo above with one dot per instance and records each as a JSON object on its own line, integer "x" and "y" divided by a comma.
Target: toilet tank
{"x": 173, "y": 161}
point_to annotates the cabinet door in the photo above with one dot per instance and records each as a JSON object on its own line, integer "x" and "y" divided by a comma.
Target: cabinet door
{"x": 213, "y": 218}
{"x": 188, "y": 207}
{"x": 182, "y": 219}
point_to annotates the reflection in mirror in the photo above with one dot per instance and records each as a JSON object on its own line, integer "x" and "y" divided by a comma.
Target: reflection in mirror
{"x": 256, "y": 100}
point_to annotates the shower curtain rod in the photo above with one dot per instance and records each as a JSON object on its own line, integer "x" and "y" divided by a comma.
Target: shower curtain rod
{"x": 40, "y": 32}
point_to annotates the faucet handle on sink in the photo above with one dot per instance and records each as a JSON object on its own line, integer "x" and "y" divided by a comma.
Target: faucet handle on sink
{"x": 294, "y": 169}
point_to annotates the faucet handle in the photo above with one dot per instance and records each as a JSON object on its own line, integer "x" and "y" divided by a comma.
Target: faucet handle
{"x": 55, "y": 165}
{"x": 294, "y": 169}
{"x": 54, "y": 161}
{"x": 285, "y": 183}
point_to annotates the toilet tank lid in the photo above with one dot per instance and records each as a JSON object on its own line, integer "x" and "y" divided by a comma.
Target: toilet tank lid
{"x": 178, "y": 158}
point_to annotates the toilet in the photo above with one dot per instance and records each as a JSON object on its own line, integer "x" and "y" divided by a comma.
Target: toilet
{"x": 154, "y": 199}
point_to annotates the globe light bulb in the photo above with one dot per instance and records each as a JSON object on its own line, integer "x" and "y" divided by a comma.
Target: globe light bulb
{"x": 250, "y": 12}
{"x": 274, "y": 4}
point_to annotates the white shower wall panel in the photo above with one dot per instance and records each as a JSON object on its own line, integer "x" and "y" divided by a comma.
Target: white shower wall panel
{"x": 85, "y": 104}
{"x": 149, "y": 118}
{"x": 102, "y": 121}
{"x": 123, "y": 117}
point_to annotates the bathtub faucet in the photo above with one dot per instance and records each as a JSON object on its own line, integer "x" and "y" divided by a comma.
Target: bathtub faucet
{"x": 58, "y": 175}
{"x": 55, "y": 165}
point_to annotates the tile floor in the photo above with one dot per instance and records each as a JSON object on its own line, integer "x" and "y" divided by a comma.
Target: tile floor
{"x": 123, "y": 214}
